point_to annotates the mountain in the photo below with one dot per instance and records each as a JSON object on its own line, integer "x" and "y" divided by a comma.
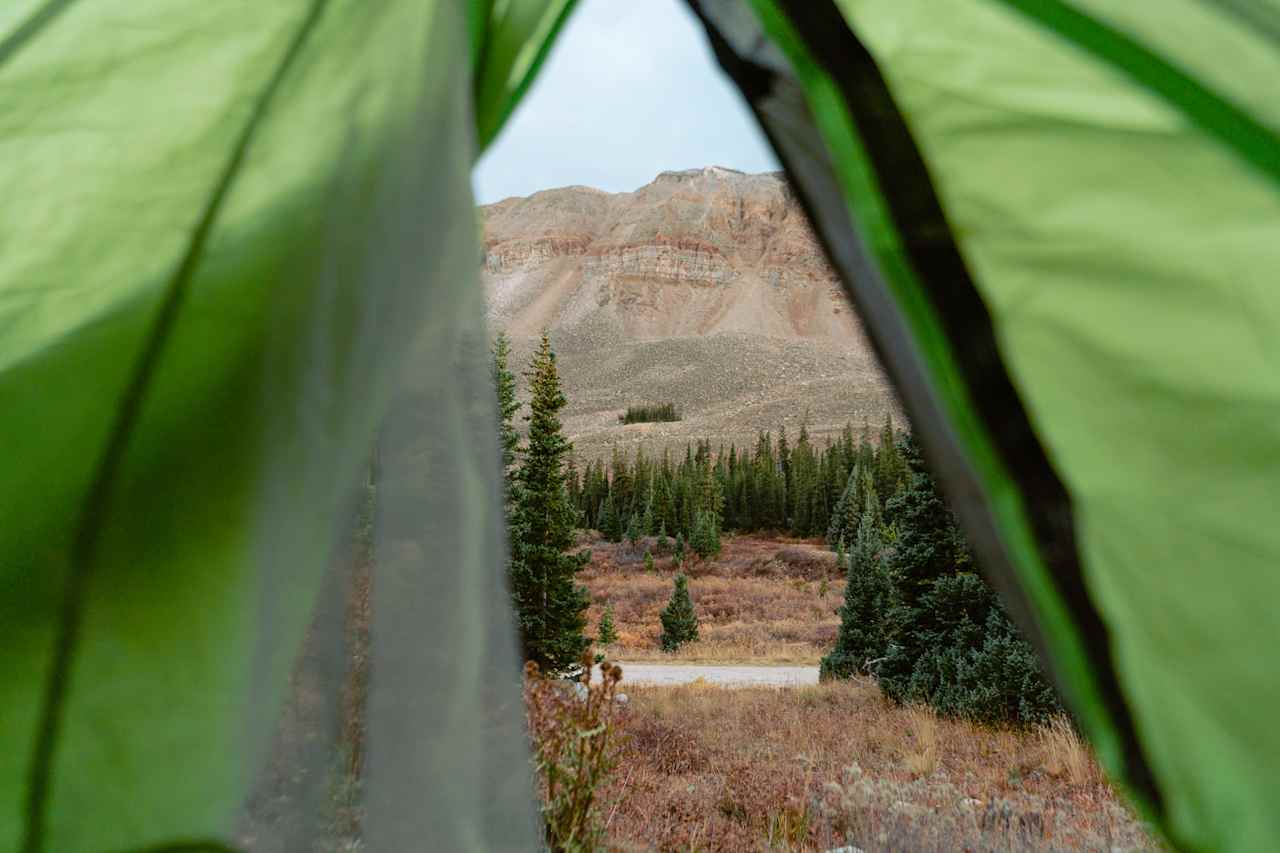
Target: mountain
{"x": 705, "y": 288}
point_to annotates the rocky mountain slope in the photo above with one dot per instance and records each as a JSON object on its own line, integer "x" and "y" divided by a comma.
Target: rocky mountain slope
{"x": 705, "y": 287}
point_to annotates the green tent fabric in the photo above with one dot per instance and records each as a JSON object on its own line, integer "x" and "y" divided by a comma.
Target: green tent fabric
{"x": 1060, "y": 220}
{"x": 240, "y": 240}
{"x": 231, "y": 228}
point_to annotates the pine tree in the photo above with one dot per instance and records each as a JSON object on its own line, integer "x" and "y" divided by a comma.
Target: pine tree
{"x": 610, "y": 521}
{"x": 890, "y": 464}
{"x": 929, "y": 548}
{"x": 664, "y": 504}
{"x": 633, "y": 530}
{"x": 550, "y": 606}
{"x": 607, "y": 633}
{"x": 504, "y": 383}
{"x": 662, "y": 538}
{"x": 679, "y": 621}
{"x": 866, "y": 598}
{"x": 705, "y": 538}
{"x": 784, "y": 462}
{"x": 648, "y": 562}
{"x": 848, "y": 510}
{"x": 803, "y": 482}
{"x": 679, "y": 552}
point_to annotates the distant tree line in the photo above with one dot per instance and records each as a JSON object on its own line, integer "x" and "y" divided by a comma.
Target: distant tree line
{"x": 916, "y": 613}
{"x": 798, "y": 490}
{"x": 664, "y": 413}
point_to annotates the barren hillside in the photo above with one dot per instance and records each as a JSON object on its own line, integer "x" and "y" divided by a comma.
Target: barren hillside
{"x": 705, "y": 287}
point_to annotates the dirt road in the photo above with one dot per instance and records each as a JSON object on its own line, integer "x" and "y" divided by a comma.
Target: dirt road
{"x": 736, "y": 676}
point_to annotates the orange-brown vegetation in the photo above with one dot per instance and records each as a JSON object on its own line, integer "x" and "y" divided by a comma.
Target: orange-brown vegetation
{"x": 571, "y": 725}
{"x": 761, "y": 601}
{"x": 816, "y": 768}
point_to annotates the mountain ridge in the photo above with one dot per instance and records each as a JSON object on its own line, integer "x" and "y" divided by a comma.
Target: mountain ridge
{"x": 705, "y": 287}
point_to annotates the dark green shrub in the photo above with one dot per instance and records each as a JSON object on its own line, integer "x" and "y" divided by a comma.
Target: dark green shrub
{"x": 969, "y": 659}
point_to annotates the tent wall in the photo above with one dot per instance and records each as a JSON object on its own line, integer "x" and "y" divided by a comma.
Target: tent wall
{"x": 236, "y": 233}
{"x": 1064, "y": 260}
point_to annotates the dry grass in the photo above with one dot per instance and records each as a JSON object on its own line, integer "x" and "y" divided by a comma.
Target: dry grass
{"x": 761, "y": 601}
{"x": 922, "y": 758}
{"x": 1067, "y": 756}
{"x": 814, "y": 768}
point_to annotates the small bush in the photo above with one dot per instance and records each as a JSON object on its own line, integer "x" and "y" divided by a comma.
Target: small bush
{"x": 573, "y": 751}
{"x": 662, "y": 413}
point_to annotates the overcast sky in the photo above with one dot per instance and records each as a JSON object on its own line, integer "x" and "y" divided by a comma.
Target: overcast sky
{"x": 630, "y": 89}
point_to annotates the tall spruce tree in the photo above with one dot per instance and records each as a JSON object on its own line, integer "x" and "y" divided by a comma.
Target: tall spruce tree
{"x": 936, "y": 614}
{"x": 679, "y": 621}
{"x": 610, "y": 519}
{"x": 890, "y": 463}
{"x": 866, "y": 599}
{"x": 550, "y": 606}
{"x": 803, "y": 482}
{"x": 504, "y": 383}
{"x": 705, "y": 538}
{"x": 633, "y": 530}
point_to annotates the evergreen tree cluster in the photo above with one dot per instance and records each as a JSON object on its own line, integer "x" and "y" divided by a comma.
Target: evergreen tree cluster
{"x": 803, "y": 490}
{"x": 917, "y": 616}
{"x": 663, "y": 413}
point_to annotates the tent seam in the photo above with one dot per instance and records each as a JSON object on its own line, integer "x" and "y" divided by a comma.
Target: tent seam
{"x": 30, "y": 27}
{"x": 1250, "y": 140}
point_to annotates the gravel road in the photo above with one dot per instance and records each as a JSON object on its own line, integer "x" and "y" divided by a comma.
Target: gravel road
{"x": 736, "y": 676}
